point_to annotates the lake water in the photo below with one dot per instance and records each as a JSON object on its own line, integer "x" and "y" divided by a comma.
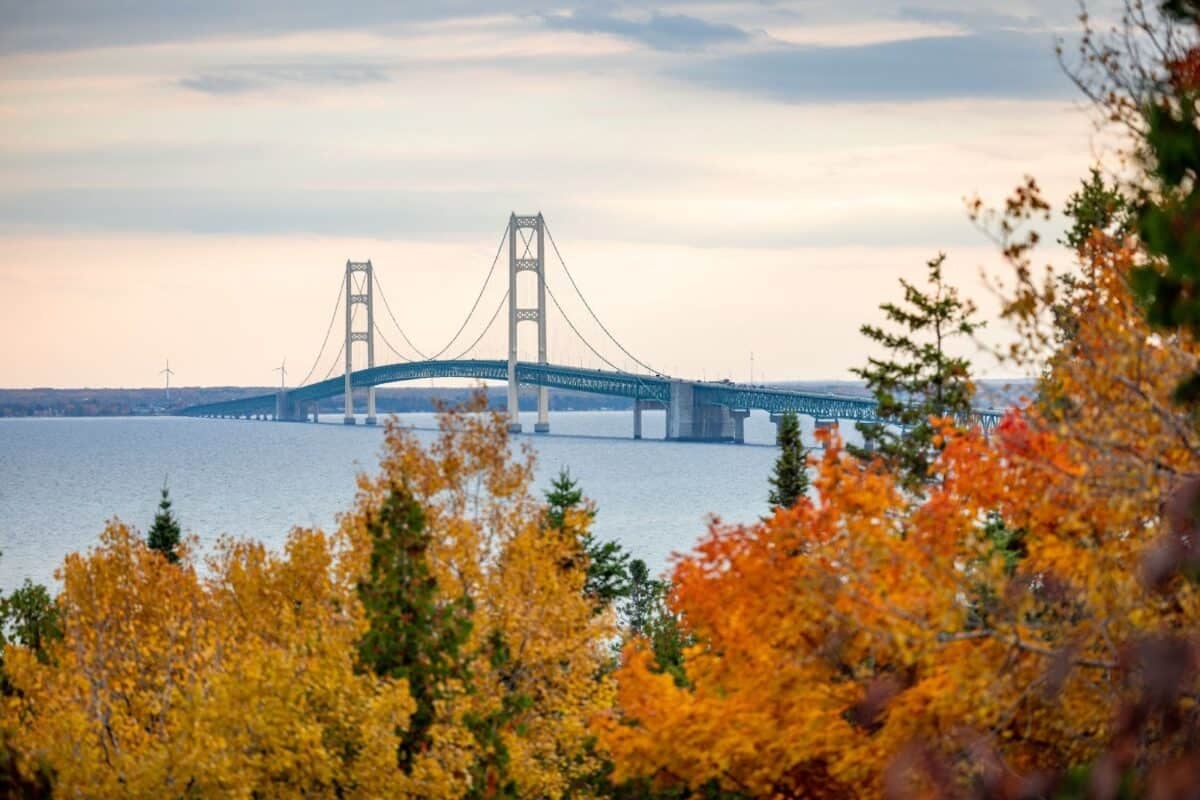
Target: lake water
{"x": 60, "y": 479}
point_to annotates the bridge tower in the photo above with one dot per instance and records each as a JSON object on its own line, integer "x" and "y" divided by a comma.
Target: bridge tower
{"x": 360, "y": 290}
{"x": 526, "y": 252}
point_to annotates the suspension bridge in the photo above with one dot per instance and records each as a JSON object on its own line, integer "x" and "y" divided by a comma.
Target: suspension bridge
{"x": 695, "y": 410}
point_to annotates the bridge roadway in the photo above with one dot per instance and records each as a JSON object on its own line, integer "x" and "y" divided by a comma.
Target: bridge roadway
{"x": 696, "y": 410}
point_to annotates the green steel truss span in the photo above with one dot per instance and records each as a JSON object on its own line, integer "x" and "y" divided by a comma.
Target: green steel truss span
{"x": 617, "y": 384}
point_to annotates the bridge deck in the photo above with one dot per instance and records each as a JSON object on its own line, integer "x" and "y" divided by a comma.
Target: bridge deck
{"x": 617, "y": 384}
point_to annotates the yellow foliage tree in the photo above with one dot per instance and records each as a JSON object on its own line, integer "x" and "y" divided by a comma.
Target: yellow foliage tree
{"x": 242, "y": 678}
{"x": 516, "y": 724}
{"x": 240, "y": 684}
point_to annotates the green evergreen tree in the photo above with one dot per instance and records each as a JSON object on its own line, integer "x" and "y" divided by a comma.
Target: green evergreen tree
{"x": 790, "y": 481}
{"x": 921, "y": 378}
{"x": 646, "y": 614}
{"x": 1169, "y": 202}
{"x": 1095, "y": 205}
{"x": 607, "y": 562}
{"x": 164, "y": 533}
{"x": 645, "y": 591}
{"x": 412, "y": 634}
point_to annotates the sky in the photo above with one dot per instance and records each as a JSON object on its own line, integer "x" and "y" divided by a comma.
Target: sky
{"x": 186, "y": 181}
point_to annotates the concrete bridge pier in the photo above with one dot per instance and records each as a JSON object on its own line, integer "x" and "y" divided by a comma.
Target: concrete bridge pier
{"x": 640, "y": 405}
{"x": 289, "y": 409}
{"x": 691, "y": 421}
{"x": 739, "y": 424}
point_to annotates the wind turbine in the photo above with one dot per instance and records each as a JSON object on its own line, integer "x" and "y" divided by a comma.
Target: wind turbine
{"x": 282, "y": 370}
{"x": 168, "y": 372}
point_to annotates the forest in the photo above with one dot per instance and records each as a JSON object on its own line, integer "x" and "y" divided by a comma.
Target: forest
{"x": 941, "y": 612}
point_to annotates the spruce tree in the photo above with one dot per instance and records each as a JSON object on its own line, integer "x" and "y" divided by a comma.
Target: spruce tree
{"x": 607, "y": 562}
{"x": 647, "y": 615}
{"x": 921, "y": 378}
{"x": 1168, "y": 203}
{"x": 644, "y": 593}
{"x": 412, "y": 632}
{"x": 165, "y": 533}
{"x": 1097, "y": 205}
{"x": 790, "y": 481}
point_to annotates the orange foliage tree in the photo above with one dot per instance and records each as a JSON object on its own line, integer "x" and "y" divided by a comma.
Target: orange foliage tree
{"x": 868, "y": 643}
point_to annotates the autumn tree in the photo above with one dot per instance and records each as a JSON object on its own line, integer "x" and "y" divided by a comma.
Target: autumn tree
{"x": 244, "y": 682}
{"x": 18, "y": 781}
{"x": 607, "y": 563}
{"x": 439, "y": 645}
{"x": 1025, "y": 626}
{"x": 790, "y": 480}
{"x": 920, "y": 379}
{"x": 164, "y": 533}
{"x": 513, "y": 722}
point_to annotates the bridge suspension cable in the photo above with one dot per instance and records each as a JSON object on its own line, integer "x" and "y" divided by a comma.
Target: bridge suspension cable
{"x": 588, "y": 306}
{"x": 580, "y": 336}
{"x": 341, "y": 349}
{"x": 392, "y": 347}
{"x": 586, "y": 343}
{"x": 487, "y": 328}
{"x": 334, "y": 365}
{"x": 332, "y": 318}
{"x": 487, "y": 280}
{"x": 396, "y": 322}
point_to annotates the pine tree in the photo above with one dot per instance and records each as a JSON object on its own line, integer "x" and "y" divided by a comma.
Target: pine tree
{"x": 920, "y": 379}
{"x": 607, "y": 562}
{"x": 1169, "y": 201}
{"x": 644, "y": 593}
{"x": 412, "y": 634}
{"x": 790, "y": 481}
{"x": 647, "y": 615}
{"x": 165, "y": 533}
{"x": 1097, "y": 205}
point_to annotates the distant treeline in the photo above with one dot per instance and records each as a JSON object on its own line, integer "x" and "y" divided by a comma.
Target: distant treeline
{"x": 145, "y": 402}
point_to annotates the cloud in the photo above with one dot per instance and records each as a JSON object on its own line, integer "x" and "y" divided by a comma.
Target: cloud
{"x": 989, "y": 65}
{"x": 972, "y": 19}
{"x": 236, "y": 80}
{"x": 80, "y": 24}
{"x": 438, "y": 214}
{"x": 218, "y": 84}
{"x": 658, "y": 31}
